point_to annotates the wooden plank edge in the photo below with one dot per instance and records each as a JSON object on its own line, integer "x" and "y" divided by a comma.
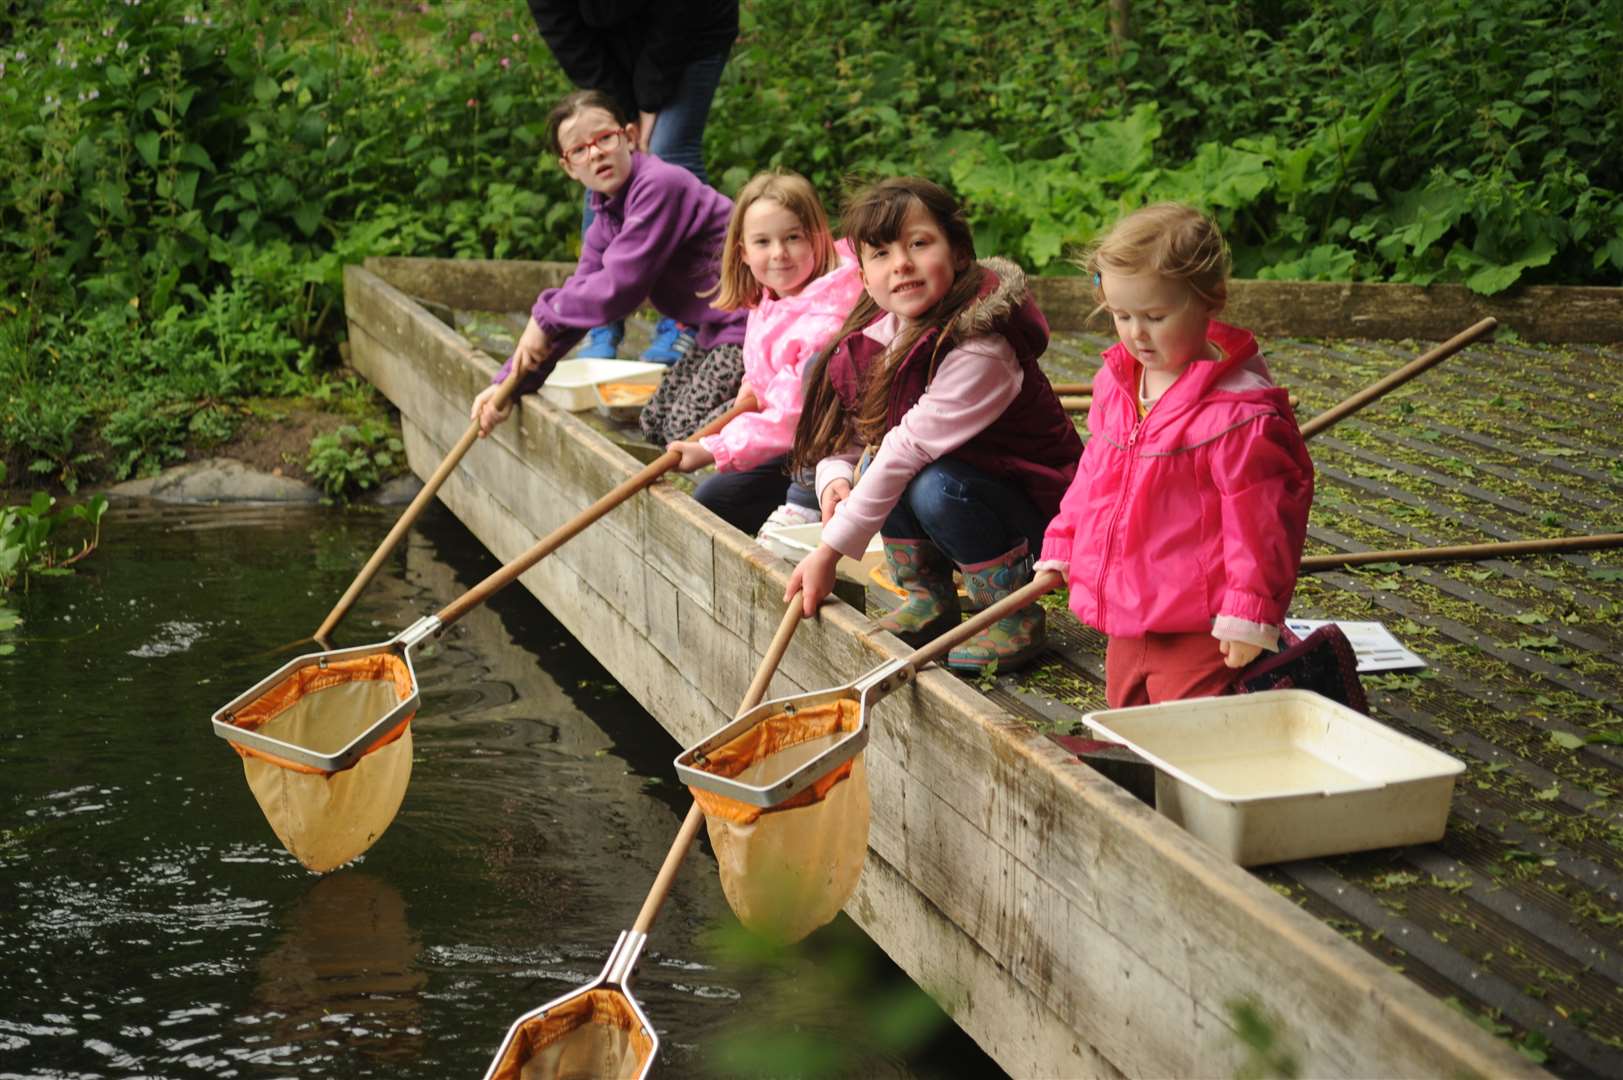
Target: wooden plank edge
{"x": 1304, "y": 309}
{"x": 1175, "y": 837}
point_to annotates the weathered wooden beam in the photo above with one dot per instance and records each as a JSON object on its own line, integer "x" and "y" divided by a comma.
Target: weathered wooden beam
{"x": 1327, "y": 309}
{"x": 1304, "y": 309}
{"x": 1067, "y": 927}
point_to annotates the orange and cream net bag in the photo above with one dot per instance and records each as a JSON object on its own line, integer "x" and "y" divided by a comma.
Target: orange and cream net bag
{"x": 788, "y": 869}
{"x": 592, "y": 1036}
{"x": 326, "y": 818}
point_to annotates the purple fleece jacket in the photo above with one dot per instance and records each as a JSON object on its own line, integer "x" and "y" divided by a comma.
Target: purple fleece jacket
{"x": 656, "y": 240}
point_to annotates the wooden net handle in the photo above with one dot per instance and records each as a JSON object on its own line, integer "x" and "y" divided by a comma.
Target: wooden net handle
{"x": 1312, "y": 564}
{"x": 563, "y": 533}
{"x": 691, "y": 823}
{"x": 1402, "y": 375}
{"x": 409, "y": 517}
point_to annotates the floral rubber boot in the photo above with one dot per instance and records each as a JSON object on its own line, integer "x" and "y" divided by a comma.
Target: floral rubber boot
{"x": 1013, "y": 640}
{"x": 931, "y": 606}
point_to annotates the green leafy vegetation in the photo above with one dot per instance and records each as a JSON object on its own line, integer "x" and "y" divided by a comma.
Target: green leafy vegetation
{"x": 354, "y": 458}
{"x": 187, "y": 180}
{"x": 1262, "y": 1036}
{"x": 31, "y": 542}
{"x": 887, "y": 1019}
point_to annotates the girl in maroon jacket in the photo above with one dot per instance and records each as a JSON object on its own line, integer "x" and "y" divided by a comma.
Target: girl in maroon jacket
{"x": 934, "y": 379}
{"x": 1182, "y": 533}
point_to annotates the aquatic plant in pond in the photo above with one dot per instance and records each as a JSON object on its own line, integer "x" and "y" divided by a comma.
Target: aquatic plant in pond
{"x": 30, "y": 538}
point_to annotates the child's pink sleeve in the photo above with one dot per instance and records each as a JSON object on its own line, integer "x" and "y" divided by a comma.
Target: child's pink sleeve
{"x": 781, "y": 338}
{"x": 1264, "y": 480}
{"x": 974, "y": 383}
{"x": 755, "y": 438}
{"x": 1060, "y": 537}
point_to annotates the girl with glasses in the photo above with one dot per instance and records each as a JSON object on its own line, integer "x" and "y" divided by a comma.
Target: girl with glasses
{"x": 656, "y": 239}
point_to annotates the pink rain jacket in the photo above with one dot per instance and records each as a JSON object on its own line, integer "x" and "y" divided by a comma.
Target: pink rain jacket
{"x": 1197, "y": 512}
{"x": 781, "y": 335}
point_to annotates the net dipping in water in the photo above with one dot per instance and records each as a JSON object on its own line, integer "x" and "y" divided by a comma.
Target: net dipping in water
{"x": 326, "y": 748}
{"x": 789, "y": 868}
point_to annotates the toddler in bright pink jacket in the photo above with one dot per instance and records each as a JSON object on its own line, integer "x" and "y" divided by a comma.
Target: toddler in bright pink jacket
{"x": 1182, "y": 534}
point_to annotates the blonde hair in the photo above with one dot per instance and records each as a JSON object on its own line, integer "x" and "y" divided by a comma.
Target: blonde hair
{"x": 1168, "y": 240}
{"x": 737, "y": 287}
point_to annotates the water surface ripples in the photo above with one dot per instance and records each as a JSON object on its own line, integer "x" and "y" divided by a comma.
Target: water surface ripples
{"x": 150, "y": 923}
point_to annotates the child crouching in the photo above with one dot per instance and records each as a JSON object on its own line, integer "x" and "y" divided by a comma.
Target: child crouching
{"x": 934, "y": 377}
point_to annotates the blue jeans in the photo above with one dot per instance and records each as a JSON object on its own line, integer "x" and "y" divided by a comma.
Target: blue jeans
{"x": 679, "y": 131}
{"x": 745, "y": 499}
{"x": 969, "y": 515}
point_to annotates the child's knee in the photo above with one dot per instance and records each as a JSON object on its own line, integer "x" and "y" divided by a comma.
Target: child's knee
{"x": 936, "y": 496}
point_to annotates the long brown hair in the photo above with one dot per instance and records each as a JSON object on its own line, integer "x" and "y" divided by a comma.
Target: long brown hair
{"x": 873, "y": 218}
{"x": 737, "y": 287}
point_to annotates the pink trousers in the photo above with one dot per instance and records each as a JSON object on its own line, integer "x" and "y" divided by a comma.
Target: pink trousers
{"x": 1164, "y": 667}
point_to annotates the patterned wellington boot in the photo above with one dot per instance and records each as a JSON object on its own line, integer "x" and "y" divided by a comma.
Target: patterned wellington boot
{"x": 931, "y": 607}
{"x": 1013, "y": 640}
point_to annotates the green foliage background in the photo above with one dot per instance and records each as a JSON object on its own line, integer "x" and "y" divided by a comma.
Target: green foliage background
{"x": 184, "y": 180}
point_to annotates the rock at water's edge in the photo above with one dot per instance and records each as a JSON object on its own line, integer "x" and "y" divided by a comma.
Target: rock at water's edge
{"x": 217, "y": 480}
{"x": 397, "y": 492}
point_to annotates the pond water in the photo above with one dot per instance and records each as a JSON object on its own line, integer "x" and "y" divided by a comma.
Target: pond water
{"x": 151, "y": 924}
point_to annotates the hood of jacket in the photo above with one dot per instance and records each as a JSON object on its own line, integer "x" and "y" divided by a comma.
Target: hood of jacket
{"x": 1003, "y": 306}
{"x": 1238, "y": 382}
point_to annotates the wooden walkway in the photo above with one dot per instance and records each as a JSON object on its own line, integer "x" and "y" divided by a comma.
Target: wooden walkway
{"x": 1512, "y": 919}
{"x": 1514, "y": 916}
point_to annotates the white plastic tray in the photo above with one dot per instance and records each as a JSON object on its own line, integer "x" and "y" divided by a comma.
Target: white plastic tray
{"x": 795, "y": 542}
{"x": 1286, "y": 774}
{"x": 572, "y": 384}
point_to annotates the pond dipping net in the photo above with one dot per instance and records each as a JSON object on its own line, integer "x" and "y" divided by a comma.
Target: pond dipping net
{"x": 326, "y": 818}
{"x": 788, "y": 869}
{"x": 595, "y": 1035}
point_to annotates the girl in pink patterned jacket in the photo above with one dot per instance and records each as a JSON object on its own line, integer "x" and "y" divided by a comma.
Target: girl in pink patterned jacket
{"x": 1182, "y": 534}
{"x": 781, "y": 262}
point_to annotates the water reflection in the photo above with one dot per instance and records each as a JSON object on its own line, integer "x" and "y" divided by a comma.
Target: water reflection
{"x": 345, "y": 970}
{"x": 152, "y": 925}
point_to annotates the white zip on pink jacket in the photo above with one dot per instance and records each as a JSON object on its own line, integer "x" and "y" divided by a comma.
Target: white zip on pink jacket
{"x": 782, "y": 335}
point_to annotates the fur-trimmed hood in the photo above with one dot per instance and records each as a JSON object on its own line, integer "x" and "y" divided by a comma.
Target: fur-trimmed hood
{"x": 1032, "y": 442}
{"x": 1003, "y": 305}
{"x": 1003, "y": 291}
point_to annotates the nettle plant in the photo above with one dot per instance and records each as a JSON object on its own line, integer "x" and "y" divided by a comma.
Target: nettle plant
{"x": 1472, "y": 141}
{"x": 185, "y": 182}
{"x": 31, "y": 539}
{"x": 356, "y": 457}
{"x": 161, "y": 143}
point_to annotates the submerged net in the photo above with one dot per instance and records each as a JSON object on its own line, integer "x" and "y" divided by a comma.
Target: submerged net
{"x": 788, "y": 869}
{"x": 589, "y": 1036}
{"x": 328, "y": 818}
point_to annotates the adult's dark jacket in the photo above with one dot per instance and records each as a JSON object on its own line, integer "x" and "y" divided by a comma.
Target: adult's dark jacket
{"x": 634, "y": 49}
